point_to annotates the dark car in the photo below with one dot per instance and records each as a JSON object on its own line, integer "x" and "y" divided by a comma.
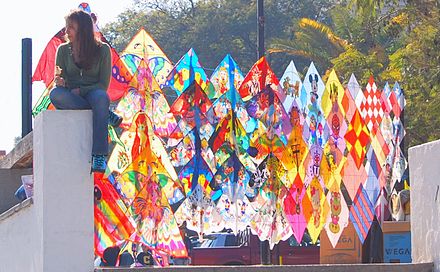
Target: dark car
{"x": 244, "y": 249}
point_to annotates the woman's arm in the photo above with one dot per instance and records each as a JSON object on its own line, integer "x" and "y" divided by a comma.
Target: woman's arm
{"x": 59, "y": 68}
{"x": 105, "y": 69}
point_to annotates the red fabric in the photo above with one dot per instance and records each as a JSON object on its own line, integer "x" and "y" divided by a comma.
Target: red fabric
{"x": 192, "y": 97}
{"x": 256, "y": 80}
{"x": 45, "y": 69}
{"x": 120, "y": 78}
{"x": 111, "y": 221}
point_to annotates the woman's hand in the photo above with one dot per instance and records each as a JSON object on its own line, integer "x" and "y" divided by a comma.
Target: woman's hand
{"x": 59, "y": 81}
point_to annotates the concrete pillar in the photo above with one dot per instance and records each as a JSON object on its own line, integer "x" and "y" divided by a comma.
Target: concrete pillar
{"x": 63, "y": 190}
{"x": 424, "y": 169}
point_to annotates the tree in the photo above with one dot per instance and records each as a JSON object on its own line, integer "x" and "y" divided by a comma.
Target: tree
{"x": 313, "y": 41}
{"x": 417, "y": 62}
{"x": 214, "y": 28}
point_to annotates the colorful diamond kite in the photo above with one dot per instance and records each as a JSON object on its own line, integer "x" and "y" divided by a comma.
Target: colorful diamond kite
{"x": 357, "y": 138}
{"x": 362, "y": 213}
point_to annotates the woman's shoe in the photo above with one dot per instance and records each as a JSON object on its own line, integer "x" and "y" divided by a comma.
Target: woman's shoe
{"x": 98, "y": 163}
{"x": 113, "y": 119}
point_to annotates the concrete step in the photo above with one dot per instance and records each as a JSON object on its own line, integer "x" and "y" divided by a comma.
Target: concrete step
{"x": 422, "y": 267}
{"x": 21, "y": 156}
{"x": 13, "y": 165}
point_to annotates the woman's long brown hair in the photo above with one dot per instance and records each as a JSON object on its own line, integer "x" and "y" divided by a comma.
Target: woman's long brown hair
{"x": 88, "y": 44}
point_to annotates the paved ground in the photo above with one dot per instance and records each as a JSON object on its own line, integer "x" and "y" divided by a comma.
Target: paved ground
{"x": 425, "y": 267}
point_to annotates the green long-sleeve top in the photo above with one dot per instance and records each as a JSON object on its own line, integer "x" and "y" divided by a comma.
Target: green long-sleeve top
{"x": 97, "y": 77}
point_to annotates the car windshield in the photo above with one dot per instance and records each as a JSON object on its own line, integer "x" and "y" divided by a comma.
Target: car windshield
{"x": 219, "y": 240}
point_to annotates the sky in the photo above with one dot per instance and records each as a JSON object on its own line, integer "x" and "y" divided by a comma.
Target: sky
{"x": 38, "y": 20}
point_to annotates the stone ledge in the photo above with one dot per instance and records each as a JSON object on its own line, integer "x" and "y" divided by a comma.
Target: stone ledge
{"x": 422, "y": 267}
{"x": 21, "y": 156}
{"x": 25, "y": 203}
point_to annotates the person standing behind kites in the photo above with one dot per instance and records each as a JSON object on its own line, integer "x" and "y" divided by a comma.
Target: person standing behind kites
{"x": 82, "y": 76}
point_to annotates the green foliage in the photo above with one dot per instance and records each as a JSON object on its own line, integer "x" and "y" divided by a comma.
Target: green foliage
{"x": 119, "y": 33}
{"x": 353, "y": 61}
{"x": 313, "y": 41}
{"x": 419, "y": 61}
{"x": 213, "y": 28}
{"x": 352, "y": 27}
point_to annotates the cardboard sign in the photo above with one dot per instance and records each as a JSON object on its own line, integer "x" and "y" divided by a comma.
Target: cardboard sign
{"x": 397, "y": 247}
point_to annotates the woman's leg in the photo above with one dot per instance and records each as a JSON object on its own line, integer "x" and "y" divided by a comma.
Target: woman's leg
{"x": 63, "y": 99}
{"x": 99, "y": 102}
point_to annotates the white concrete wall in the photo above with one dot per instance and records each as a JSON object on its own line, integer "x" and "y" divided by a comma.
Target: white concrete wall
{"x": 424, "y": 166}
{"x": 56, "y": 232}
{"x": 20, "y": 242}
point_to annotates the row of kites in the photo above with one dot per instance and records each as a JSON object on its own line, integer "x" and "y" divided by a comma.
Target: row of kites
{"x": 231, "y": 151}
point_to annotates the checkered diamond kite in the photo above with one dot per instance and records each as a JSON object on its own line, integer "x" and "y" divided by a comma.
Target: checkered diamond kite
{"x": 386, "y": 104}
{"x": 371, "y": 108}
{"x": 397, "y": 100}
